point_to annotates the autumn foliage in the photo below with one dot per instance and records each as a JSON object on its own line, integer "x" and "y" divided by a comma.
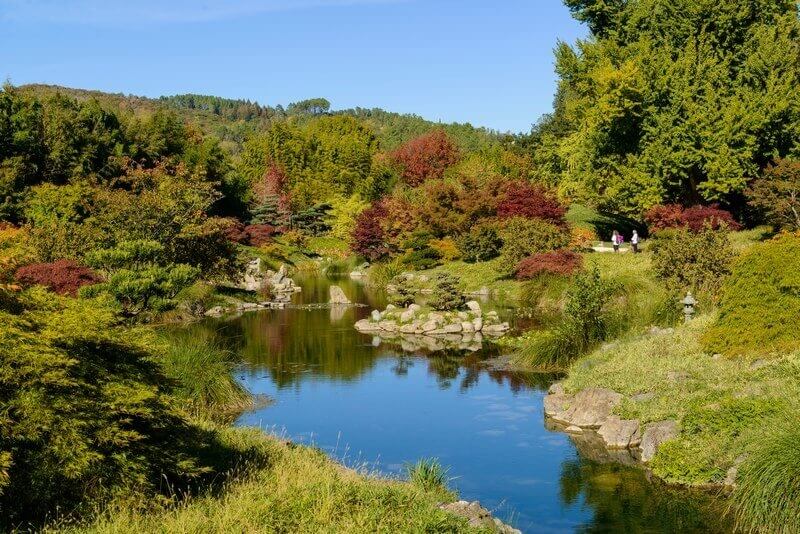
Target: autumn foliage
{"x": 694, "y": 219}
{"x": 559, "y": 262}
{"x": 369, "y": 237}
{"x": 521, "y": 199}
{"x": 64, "y": 277}
{"x": 426, "y": 157}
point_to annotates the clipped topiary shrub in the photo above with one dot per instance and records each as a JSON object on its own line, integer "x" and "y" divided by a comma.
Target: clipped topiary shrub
{"x": 482, "y": 243}
{"x": 760, "y": 303}
{"x": 559, "y": 262}
{"x": 64, "y": 277}
{"x": 447, "y": 292}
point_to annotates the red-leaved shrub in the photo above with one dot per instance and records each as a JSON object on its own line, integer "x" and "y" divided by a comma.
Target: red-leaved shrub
{"x": 64, "y": 277}
{"x": 235, "y": 231}
{"x": 260, "y": 234}
{"x": 425, "y": 157}
{"x": 369, "y": 237}
{"x": 522, "y": 199}
{"x": 695, "y": 218}
{"x": 560, "y": 262}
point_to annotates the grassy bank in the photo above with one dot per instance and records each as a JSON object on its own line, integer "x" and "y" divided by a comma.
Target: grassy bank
{"x": 286, "y": 488}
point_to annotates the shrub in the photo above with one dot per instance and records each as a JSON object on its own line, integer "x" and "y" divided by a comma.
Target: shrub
{"x": 296, "y": 238}
{"x": 482, "y": 243}
{"x": 582, "y": 239}
{"x": 447, "y": 248}
{"x": 86, "y": 410}
{"x": 760, "y": 301}
{"x": 525, "y": 237}
{"x": 259, "y": 234}
{"x": 695, "y": 218}
{"x": 559, "y": 262}
{"x": 343, "y": 215}
{"x": 521, "y": 199}
{"x": 768, "y": 483}
{"x": 64, "y": 277}
{"x": 447, "y": 292}
{"x": 235, "y": 231}
{"x": 695, "y": 261}
{"x": 776, "y": 194}
{"x": 424, "y": 258}
{"x": 401, "y": 292}
{"x": 425, "y": 157}
{"x": 369, "y": 238}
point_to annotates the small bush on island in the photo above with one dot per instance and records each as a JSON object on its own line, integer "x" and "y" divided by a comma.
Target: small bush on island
{"x": 693, "y": 261}
{"x": 448, "y": 293}
{"x": 559, "y": 262}
{"x": 695, "y": 218}
{"x": 401, "y": 291}
{"x": 482, "y": 243}
{"x": 64, "y": 277}
{"x": 525, "y": 237}
{"x": 760, "y": 303}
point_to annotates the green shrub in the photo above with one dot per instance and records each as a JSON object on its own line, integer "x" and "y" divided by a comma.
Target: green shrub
{"x": 424, "y": 258}
{"x": 402, "y": 291}
{"x": 525, "y": 237}
{"x": 86, "y": 410}
{"x": 381, "y": 274}
{"x": 448, "y": 293}
{"x": 693, "y": 261}
{"x": 768, "y": 483}
{"x": 482, "y": 243}
{"x": 760, "y": 302}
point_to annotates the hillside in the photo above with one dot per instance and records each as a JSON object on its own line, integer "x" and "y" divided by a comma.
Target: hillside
{"x": 233, "y": 120}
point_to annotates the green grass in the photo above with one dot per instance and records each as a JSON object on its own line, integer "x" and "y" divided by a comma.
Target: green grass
{"x": 476, "y": 275}
{"x": 603, "y": 224}
{"x": 767, "y": 496}
{"x": 721, "y": 403}
{"x": 428, "y": 475}
{"x": 285, "y": 488}
{"x": 201, "y": 372}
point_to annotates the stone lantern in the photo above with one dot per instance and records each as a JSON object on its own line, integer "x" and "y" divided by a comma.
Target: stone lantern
{"x": 689, "y": 303}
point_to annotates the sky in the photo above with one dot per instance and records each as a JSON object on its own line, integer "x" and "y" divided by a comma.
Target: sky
{"x": 486, "y": 62}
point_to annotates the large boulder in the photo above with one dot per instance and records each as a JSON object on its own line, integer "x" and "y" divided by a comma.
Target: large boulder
{"x": 590, "y": 408}
{"x": 337, "y": 296}
{"x": 654, "y": 435}
{"x": 478, "y": 517}
{"x": 620, "y": 433}
{"x": 253, "y": 277}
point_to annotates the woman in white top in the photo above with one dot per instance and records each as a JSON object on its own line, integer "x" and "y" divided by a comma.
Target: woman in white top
{"x": 635, "y": 242}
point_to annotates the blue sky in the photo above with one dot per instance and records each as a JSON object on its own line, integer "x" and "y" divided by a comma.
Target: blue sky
{"x": 488, "y": 62}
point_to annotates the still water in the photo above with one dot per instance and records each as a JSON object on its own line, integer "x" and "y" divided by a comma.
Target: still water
{"x": 371, "y": 405}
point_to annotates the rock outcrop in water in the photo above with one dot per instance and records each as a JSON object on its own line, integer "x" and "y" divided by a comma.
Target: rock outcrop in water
{"x": 592, "y": 410}
{"x": 414, "y": 320}
{"x": 478, "y": 517}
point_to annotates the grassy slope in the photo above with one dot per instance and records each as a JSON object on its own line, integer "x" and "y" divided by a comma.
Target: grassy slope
{"x": 721, "y": 403}
{"x": 299, "y": 490}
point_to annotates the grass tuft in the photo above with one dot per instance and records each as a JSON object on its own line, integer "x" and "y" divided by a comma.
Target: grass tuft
{"x": 428, "y": 475}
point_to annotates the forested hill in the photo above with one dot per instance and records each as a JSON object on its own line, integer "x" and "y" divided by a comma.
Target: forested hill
{"x": 233, "y": 120}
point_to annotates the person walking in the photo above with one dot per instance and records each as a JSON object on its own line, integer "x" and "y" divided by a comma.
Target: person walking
{"x": 616, "y": 240}
{"x": 635, "y": 242}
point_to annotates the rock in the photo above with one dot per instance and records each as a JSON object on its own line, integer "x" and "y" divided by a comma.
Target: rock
{"x": 495, "y": 328}
{"x": 414, "y": 308}
{"x": 453, "y": 328}
{"x": 337, "y": 296}
{"x": 391, "y": 307}
{"x": 253, "y": 277}
{"x": 376, "y": 315}
{"x": 389, "y": 326}
{"x": 216, "y": 311}
{"x": 556, "y": 388}
{"x": 407, "y": 316}
{"x": 733, "y": 472}
{"x": 466, "y": 326}
{"x": 429, "y": 326}
{"x": 654, "y": 435}
{"x": 408, "y": 328}
{"x": 474, "y": 306}
{"x": 641, "y": 397}
{"x": 572, "y": 429}
{"x": 478, "y": 517}
{"x": 365, "y": 325}
{"x": 590, "y": 408}
{"x": 477, "y": 324}
{"x": 555, "y": 404}
{"x": 620, "y": 433}
{"x": 482, "y": 292}
{"x": 356, "y": 274}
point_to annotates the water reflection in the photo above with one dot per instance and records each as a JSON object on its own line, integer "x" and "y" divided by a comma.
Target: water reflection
{"x": 335, "y": 388}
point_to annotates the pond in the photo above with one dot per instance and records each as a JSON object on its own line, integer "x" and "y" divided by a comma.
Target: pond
{"x": 371, "y": 405}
